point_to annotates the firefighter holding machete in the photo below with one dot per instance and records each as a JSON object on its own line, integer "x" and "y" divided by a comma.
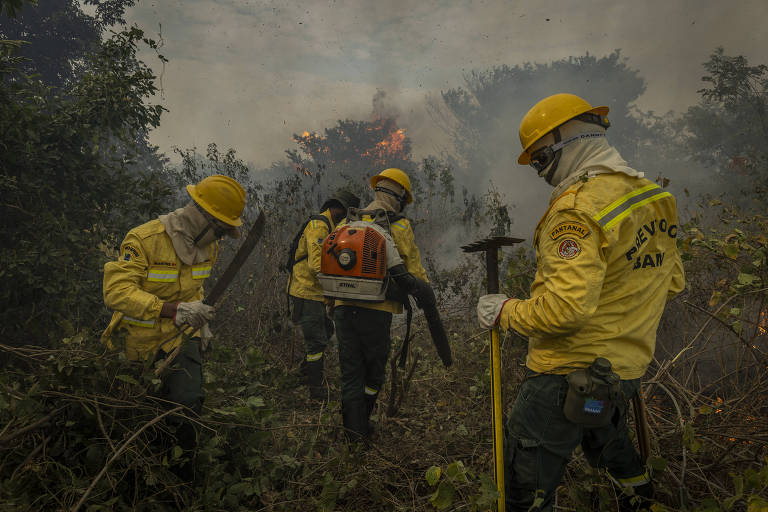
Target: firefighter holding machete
{"x": 607, "y": 262}
{"x": 156, "y": 287}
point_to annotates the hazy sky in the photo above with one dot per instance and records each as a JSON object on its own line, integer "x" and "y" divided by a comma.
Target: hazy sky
{"x": 248, "y": 74}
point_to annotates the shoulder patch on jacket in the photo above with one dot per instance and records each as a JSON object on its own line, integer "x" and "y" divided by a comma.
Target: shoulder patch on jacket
{"x": 571, "y": 228}
{"x": 568, "y": 249}
{"x": 129, "y": 252}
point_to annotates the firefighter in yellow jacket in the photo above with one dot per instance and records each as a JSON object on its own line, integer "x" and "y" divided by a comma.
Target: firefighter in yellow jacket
{"x": 155, "y": 288}
{"x": 607, "y": 262}
{"x": 306, "y": 296}
{"x": 363, "y": 328}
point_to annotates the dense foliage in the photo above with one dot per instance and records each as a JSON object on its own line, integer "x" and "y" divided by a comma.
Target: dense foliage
{"x": 65, "y": 164}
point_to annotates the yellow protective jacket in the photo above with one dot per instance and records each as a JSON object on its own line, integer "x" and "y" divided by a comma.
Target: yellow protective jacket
{"x": 607, "y": 263}
{"x": 147, "y": 274}
{"x": 304, "y": 283}
{"x": 402, "y": 233}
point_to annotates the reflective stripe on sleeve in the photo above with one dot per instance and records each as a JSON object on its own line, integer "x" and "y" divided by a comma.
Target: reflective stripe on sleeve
{"x": 632, "y": 481}
{"x": 138, "y": 322}
{"x": 370, "y": 391}
{"x": 314, "y": 357}
{"x": 400, "y": 225}
{"x": 623, "y": 206}
{"x": 201, "y": 271}
{"x": 158, "y": 275}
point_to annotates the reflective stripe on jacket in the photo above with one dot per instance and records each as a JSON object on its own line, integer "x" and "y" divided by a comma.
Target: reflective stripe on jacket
{"x": 148, "y": 273}
{"x": 607, "y": 261}
{"x": 304, "y": 283}
{"x": 402, "y": 233}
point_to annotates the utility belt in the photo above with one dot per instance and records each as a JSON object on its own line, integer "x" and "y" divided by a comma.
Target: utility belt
{"x": 593, "y": 394}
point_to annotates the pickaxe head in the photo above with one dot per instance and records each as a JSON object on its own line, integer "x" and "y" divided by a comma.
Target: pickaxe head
{"x": 490, "y": 246}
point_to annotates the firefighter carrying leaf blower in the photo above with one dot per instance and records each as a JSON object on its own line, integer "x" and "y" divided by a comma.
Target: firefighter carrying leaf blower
{"x": 371, "y": 265}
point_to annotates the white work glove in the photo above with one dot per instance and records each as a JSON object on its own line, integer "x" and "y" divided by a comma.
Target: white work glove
{"x": 194, "y": 314}
{"x": 489, "y": 308}
{"x": 206, "y": 338}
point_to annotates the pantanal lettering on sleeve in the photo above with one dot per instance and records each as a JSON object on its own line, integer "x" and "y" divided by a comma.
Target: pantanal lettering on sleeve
{"x": 576, "y": 229}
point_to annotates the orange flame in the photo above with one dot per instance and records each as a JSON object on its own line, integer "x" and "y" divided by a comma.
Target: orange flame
{"x": 391, "y": 143}
{"x": 762, "y": 325}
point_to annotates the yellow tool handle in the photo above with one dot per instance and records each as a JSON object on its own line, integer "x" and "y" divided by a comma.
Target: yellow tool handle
{"x": 496, "y": 417}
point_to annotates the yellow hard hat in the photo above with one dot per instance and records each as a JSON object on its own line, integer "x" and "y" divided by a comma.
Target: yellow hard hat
{"x": 547, "y": 115}
{"x": 221, "y": 196}
{"x": 397, "y": 176}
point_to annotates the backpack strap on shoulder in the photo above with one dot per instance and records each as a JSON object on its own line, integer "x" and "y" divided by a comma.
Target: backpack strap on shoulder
{"x": 380, "y": 216}
{"x": 298, "y": 236}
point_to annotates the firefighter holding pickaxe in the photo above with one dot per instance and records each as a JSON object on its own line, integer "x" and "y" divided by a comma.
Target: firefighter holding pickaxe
{"x": 607, "y": 262}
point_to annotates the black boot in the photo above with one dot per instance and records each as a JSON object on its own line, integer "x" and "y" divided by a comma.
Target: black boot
{"x": 317, "y": 390}
{"x": 355, "y": 423}
{"x": 370, "y": 405}
{"x": 186, "y": 439}
{"x": 303, "y": 377}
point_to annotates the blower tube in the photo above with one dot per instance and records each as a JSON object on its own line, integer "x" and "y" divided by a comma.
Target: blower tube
{"x": 407, "y": 283}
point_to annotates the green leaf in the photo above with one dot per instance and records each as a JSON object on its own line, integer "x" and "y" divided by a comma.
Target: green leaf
{"x": 731, "y": 250}
{"x": 223, "y": 412}
{"x": 128, "y": 379}
{"x": 757, "y": 504}
{"x": 443, "y": 496}
{"x": 747, "y": 279}
{"x": 433, "y": 475}
{"x": 489, "y": 494}
{"x": 244, "y": 488}
{"x": 456, "y": 471}
{"x": 177, "y": 452}
{"x": 705, "y": 409}
{"x": 327, "y": 500}
{"x": 709, "y": 505}
{"x": 657, "y": 464}
{"x": 255, "y": 402}
{"x": 689, "y": 439}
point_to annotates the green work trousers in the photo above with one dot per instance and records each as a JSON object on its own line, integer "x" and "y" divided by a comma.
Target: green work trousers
{"x": 539, "y": 442}
{"x": 364, "y": 344}
{"x": 310, "y": 316}
{"x": 182, "y": 383}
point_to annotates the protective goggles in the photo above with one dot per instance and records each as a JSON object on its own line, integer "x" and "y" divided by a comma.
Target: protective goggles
{"x": 543, "y": 157}
{"x": 403, "y": 200}
{"x": 219, "y": 228}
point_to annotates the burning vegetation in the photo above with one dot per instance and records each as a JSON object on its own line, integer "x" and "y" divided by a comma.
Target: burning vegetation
{"x": 352, "y": 148}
